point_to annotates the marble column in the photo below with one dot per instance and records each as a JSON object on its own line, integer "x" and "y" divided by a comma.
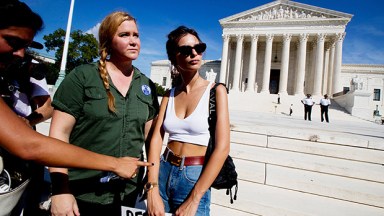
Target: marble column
{"x": 283, "y": 83}
{"x": 224, "y": 59}
{"x": 267, "y": 64}
{"x": 310, "y": 70}
{"x": 336, "y": 82}
{"x": 318, "y": 76}
{"x": 330, "y": 68}
{"x": 302, "y": 54}
{"x": 326, "y": 69}
{"x": 252, "y": 64}
{"x": 239, "y": 53}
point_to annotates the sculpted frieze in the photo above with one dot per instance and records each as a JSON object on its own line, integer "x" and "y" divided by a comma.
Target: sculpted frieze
{"x": 286, "y": 13}
{"x": 325, "y": 27}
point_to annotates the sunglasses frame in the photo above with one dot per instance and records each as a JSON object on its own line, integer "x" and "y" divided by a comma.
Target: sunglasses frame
{"x": 187, "y": 50}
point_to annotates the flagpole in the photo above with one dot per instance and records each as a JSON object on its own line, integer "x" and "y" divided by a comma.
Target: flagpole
{"x": 65, "y": 50}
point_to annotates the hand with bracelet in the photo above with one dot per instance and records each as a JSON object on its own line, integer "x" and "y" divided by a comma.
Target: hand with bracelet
{"x": 154, "y": 201}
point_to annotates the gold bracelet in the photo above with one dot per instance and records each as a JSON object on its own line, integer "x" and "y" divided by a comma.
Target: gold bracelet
{"x": 150, "y": 185}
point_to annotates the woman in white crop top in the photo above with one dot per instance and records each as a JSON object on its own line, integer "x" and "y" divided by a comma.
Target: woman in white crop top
{"x": 178, "y": 183}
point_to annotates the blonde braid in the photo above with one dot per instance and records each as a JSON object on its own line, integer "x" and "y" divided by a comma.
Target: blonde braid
{"x": 105, "y": 78}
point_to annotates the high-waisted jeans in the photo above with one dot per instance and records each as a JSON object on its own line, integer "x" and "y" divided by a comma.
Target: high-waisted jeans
{"x": 175, "y": 184}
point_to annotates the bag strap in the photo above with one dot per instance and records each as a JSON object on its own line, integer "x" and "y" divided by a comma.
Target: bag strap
{"x": 212, "y": 111}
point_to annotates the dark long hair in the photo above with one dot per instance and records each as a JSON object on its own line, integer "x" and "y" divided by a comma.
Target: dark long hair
{"x": 172, "y": 45}
{"x": 16, "y": 13}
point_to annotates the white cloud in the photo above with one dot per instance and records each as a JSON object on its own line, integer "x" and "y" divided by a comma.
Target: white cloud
{"x": 94, "y": 30}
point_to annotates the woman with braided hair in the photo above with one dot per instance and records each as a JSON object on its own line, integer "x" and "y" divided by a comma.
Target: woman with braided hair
{"x": 106, "y": 107}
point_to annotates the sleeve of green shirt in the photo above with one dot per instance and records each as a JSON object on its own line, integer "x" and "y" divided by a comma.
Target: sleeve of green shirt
{"x": 69, "y": 96}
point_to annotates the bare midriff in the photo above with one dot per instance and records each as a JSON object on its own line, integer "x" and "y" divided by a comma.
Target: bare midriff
{"x": 186, "y": 149}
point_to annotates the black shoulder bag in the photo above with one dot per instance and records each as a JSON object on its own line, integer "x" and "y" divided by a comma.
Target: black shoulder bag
{"x": 227, "y": 178}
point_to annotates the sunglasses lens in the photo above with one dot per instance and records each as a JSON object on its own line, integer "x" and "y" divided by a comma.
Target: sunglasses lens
{"x": 200, "y": 48}
{"x": 185, "y": 50}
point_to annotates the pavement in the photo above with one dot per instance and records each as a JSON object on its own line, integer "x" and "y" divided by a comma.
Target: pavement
{"x": 341, "y": 123}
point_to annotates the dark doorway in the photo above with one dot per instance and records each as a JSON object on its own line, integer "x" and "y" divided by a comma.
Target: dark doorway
{"x": 274, "y": 82}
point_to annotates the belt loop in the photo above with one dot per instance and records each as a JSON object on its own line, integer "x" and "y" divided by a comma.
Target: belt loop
{"x": 166, "y": 156}
{"x": 182, "y": 163}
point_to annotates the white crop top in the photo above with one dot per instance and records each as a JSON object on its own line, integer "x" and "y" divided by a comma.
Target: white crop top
{"x": 192, "y": 129}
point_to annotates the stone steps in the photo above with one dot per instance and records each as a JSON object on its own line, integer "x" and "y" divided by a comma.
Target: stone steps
{"x": 288, "y": 166}
{"x": 267, "y": 103}
{"x": 258, "y": 199}
{"x": 285, "y": 173}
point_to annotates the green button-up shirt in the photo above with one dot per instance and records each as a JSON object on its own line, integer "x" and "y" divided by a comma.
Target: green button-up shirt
{"x": 82, "y": 95}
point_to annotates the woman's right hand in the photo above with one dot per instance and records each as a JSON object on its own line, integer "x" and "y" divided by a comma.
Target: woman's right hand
{"x": 64, "y": 205}
{"x": 155, "y": 205}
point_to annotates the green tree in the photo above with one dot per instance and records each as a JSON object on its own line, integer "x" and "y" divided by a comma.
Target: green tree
{"x": 160, "y": 90}
{"x": 82, "y": 48}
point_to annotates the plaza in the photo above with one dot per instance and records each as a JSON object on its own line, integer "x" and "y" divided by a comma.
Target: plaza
{"x": 288, "y": 166}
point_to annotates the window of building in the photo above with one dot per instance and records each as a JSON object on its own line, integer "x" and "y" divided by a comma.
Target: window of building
{"x": 164, "y": 81}
{"x": 376, "y": 94}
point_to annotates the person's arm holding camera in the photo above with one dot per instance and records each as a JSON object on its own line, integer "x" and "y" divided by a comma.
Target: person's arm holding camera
{"x": 20, "y": 140}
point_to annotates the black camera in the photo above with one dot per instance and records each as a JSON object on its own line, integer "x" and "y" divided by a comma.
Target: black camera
{"x": 29, "y": 67}
{"x": 17, "y": 76}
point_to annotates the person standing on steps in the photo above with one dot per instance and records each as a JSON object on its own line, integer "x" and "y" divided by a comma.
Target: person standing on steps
{"x": 308, "y": 103}
{"x": 324, "y": 104}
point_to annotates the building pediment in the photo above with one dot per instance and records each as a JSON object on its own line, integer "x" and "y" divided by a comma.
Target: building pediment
{"x": 287, "y": 12}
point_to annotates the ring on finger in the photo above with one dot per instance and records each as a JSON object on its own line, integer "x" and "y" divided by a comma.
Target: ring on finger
{"x": 134, "y": 175}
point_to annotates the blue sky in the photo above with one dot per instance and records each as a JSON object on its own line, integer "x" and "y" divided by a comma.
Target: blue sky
{"x": 364, "y": 42}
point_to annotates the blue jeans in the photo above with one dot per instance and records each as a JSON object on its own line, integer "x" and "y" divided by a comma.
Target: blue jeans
{"x": 175, "y": 184}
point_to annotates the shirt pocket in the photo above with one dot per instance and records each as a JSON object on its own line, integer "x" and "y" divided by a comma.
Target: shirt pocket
{"x": 144, "y": 107}
{"x": 95, "y": 102}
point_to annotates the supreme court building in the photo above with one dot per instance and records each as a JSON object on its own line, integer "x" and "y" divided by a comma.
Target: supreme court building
{"x": 291, "y": 49}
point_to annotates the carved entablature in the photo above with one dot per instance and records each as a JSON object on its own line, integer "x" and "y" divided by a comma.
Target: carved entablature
{"x": 325, "y": 27}
{"x": 287, "y": 12}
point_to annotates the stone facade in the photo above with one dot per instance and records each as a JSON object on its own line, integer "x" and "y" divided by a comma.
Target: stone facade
{"x": 284, "y": 47}
{"x": 292, "y": 49}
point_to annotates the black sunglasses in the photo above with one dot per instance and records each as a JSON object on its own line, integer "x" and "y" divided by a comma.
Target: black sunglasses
{"x": 187, "y": 50}
{"x": 16, "y": 43}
